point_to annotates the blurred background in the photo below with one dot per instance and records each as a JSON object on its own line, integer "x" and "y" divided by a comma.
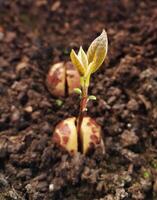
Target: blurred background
{"x": 49, "y": 29}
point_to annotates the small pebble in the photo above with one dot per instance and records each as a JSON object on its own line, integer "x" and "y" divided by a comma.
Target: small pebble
{"x": 15, "y": 116}
{"x": 132, "y": 105}
{"x": 129, "y": 138}
{"x": 28, "y": 109}
{"x": 21, "y": 66}
{"x": 51, "y": 187}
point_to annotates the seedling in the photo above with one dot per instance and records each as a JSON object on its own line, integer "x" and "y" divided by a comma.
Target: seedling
{"x": 146, "y": 174}
{"x": 59, "y": 102}
{"x": 83, "y": 133}
{"x": 62, "y": 78}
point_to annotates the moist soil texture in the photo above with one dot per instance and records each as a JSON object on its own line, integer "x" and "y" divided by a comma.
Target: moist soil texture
{"x": 36, "y": 34}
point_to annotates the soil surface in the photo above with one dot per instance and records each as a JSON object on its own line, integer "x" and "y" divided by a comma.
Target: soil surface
{"x": 36, "y": 34}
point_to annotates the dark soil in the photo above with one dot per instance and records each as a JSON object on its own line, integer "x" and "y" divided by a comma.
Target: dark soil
{"x": 36, "y": 34}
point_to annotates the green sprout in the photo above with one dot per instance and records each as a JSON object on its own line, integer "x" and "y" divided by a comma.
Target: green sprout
{"x": 87, "y": 64}
{"x": 154, "y": 164}
{"x": 146, "y": 174}
{"x": 83, "y": 133}
{"x": 59, "y": 102}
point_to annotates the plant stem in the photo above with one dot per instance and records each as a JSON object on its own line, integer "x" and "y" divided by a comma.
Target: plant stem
{"x": 83, "y": 108}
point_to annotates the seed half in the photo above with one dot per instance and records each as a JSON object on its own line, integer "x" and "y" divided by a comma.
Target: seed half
{"x": 65, "y": 135}
{"x": 90, "y": 134}
{"x": 55, "y": 80}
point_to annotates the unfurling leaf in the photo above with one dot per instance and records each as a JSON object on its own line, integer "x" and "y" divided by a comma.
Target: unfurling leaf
{"x": 77, "y": 91}
{"x": 97, "y": 52}
{"x": 77, "y": 63}
{"x": 83, "y": 57}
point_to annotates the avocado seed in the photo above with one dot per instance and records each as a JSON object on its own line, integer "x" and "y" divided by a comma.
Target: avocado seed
{"x": 62, "y": 78}
{"x": 66, "y": 136}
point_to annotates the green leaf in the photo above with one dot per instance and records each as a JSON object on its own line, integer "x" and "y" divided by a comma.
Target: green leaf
{"x": 146, "y": 174}
{"x": 59, "y": 102}
{"x": 78, "y": 91}
{"x": 77, "y": 63}
{"x": 97, "y": 52}
{"x": 83, "y": 57}
{"x": 92, "y": 97}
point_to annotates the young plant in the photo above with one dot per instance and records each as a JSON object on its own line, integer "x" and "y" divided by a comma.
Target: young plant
{"x": 86, "y": 132}
{"x": 86, "y": 65}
